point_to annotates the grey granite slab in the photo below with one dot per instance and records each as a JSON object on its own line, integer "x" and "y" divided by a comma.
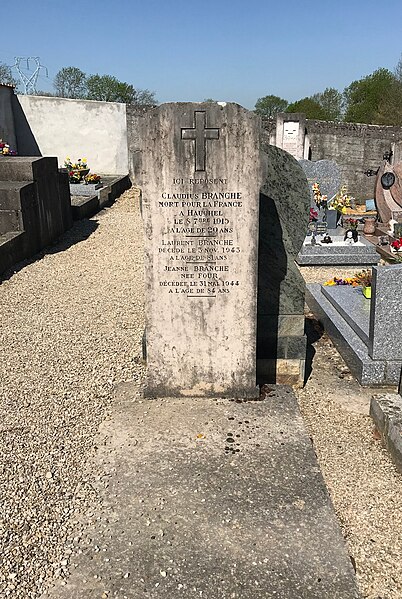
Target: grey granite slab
{"x": 392, "y": 372}
{"x": 386, "y": 313}
{"x": 351, "y": 347}
{"x": 209, "y": 498}
{"x": 81, "y": 189}
{"x": 352, "y": 305}
{"x": 325, "y": 172}
{"x": 361, "y": 253}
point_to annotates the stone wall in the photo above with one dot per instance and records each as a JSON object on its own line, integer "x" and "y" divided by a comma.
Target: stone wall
{"x": 355, "y": 147}
{"x": 78, "y": 128}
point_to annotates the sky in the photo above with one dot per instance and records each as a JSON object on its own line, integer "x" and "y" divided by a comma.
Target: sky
{"x": 227, "y": 50}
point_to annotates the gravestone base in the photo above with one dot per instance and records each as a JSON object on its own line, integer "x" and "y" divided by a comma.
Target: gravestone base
{"x": 283, "y": 371}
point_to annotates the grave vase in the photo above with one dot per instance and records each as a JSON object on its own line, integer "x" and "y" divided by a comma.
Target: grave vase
{"x": 366, "y": 292}
{"x": 369, "y": 226}
{"x": 332, "y": 219}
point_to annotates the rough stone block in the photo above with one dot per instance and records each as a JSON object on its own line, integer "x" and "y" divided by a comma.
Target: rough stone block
{"x": 386, "y": 412}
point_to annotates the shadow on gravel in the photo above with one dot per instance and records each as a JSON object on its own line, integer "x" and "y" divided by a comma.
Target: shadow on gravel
{"x": 314, "y": 332}
{"x": 80, "y": 231}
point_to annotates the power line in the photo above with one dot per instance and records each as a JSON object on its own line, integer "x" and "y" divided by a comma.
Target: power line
{"x": 29, "y": 81}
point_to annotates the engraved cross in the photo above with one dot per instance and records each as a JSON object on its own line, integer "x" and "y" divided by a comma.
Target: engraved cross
{"x": 200, "y": 133}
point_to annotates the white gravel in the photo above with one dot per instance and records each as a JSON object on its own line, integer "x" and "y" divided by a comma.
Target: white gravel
{"x": 71, "y": 329}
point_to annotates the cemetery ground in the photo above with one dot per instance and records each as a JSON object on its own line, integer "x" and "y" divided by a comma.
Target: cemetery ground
{"x": 71, "y": 333}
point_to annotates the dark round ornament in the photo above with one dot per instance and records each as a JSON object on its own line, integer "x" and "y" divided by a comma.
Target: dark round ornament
{"x": 387, "y": 180}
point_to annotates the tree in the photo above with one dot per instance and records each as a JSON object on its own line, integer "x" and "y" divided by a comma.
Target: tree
{"x": 365, "y": 99}
{"x": 144, "y": 97}
{"x": 70, "y": 82}
{"x": 398, "y": 70}
{"x": 331, "y": 101}
{"x": 309, "y": 107}
{"x": 269, "y": 106}
{"x": 109, "y": 89}
{"x": 6, "y": 75}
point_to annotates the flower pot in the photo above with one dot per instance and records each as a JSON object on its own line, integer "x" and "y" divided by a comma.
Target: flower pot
{"x": 79, "y": 174}
{"x": 369, "y": 226}
{"x": 366, "y": 292}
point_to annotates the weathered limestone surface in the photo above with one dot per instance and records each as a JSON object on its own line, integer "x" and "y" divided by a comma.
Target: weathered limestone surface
{"x": 200, "y": 174}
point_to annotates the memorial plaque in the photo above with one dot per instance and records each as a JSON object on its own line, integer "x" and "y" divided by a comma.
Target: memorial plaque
{"x": 290, "y": 137}
{"x": 200, "y": 173}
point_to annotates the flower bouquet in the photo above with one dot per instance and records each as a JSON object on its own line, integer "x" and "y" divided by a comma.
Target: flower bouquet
{"x": 92, "y": 179}
{"x": 360, "y": 279}
{"x": 76, "y": 170}
{"x": 341, "y": 201}
{"x": 319, "y": 199}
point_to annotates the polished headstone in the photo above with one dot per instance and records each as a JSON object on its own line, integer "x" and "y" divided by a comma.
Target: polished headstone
{"x": 325, "y": 172}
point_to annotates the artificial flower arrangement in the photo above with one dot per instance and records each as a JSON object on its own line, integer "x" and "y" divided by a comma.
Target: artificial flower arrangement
{"x": 362, "y": 278}
{"x": 78, "y": 172}
{"x": 92, "y": 178}
{"x": 319, "y": 199}
{"x": 350, "y": 223}
{"x": 341, "y": 201}
{"x": 5, "y": 149}
{"x": 396, "y": 245}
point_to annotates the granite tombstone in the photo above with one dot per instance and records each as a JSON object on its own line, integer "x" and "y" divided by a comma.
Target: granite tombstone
{"x": 325, "y": 172}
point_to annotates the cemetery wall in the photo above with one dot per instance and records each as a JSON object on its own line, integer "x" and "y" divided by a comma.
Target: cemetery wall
{"x": 79, "y": 128}
{"x": 355, "y": 147}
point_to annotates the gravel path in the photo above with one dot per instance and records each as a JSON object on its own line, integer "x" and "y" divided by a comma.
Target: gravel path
{"x": 72, "y": 325}
{"x": 71, "y": 330}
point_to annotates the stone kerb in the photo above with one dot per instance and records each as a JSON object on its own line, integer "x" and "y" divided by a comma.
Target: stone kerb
{"x": 200, "y": 173}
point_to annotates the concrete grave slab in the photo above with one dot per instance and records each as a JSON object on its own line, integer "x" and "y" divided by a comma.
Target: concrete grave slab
{"x": 209, "y": 498}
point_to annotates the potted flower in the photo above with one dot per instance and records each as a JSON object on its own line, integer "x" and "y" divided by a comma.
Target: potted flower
{"x": 338, "y": 205}
{"x": 364, "y": 278}
{"x": 76, "y": 170}
{"x": 92, "y": 179}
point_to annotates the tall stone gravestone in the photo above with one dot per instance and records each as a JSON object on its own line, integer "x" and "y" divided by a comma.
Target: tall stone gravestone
{"x": 199, "y": 170}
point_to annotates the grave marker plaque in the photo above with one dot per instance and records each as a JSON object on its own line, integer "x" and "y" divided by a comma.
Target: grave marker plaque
{"x": 200, "y": 173}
